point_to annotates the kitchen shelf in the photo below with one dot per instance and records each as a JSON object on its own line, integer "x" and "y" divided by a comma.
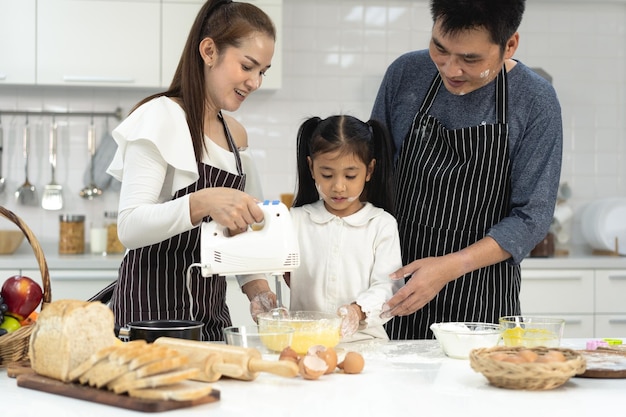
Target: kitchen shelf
{"x": 117, "y": 113}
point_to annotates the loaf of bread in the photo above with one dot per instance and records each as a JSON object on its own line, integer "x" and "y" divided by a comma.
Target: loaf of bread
{"x": 67, "y": 333}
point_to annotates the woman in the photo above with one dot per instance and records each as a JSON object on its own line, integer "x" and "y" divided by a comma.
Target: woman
{"x": 181, "y": 162}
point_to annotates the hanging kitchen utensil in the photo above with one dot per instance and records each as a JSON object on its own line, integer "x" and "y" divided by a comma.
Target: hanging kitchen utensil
{"x": 90, "y": 191}
{"x": 2, "y": 179}
{"x": 26, "y": 194}
{"x": 52, "y": 198}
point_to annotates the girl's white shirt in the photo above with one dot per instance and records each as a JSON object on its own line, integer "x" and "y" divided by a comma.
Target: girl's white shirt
{"x": 154, "y": 159}
{"x": 346, "y": 259}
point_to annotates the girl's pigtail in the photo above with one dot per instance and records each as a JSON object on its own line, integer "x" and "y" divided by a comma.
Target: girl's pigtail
{"x": 306, "y": 192}
{"x": 380, "y": 187}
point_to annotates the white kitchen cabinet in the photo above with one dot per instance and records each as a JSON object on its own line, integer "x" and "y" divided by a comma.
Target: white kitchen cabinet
{"x": 592, "y": 301}
{"x": 562, "y": 293}
{"x": 99, "y": 42}
{"x": 610, "y": 302}
{"x": 73, "y": 283}
{"x": 17, "y": 48}
{"x": 557, "y": 291}
{"x": 178, "y": 16}
{"x": 611, "y": 291}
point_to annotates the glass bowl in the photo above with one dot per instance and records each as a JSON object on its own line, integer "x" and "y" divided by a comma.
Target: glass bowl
{"x": 266, "y": 341}
{"x": 458, "y": 339}
{"x": 310, "y": 328}
{"x": 531, "y": 331}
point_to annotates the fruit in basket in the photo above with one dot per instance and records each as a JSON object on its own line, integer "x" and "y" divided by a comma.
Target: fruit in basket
{"x": 3, "y": 308}
{"x": 10, "y": 324}
{"x": 22, "y": 296}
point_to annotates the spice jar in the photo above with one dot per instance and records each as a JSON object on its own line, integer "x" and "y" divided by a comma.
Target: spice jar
{"x": 113, "y": 242}
{"x": 71, "y": 234}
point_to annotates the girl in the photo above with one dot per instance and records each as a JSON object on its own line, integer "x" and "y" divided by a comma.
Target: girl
{"x": 342, "y": 214}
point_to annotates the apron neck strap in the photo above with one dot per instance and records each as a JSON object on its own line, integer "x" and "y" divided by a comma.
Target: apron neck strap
{"x": 500, "y": 102}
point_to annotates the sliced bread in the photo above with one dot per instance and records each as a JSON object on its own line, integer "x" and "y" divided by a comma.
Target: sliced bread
{"x": 66, "y": 334}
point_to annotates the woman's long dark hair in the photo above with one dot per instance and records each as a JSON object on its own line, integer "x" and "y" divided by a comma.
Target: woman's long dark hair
{"x": 349, "y": 135}
{"x": 227, "y": 23}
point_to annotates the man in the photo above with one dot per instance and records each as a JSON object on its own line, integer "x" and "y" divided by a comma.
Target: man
{"x": 479, "y": 141}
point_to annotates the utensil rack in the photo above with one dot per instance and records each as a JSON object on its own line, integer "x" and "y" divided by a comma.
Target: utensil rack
{"x": 117, "y": 113}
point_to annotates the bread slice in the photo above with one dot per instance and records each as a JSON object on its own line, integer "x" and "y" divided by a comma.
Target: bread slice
{"x": 102, "y": 354}
{"x": 147, "y": 356}
{"x": 182, "y": 391}
{"x": 66, "y": 334}
{"x": 154, "y": 368}
{"x": 166, "y": 378}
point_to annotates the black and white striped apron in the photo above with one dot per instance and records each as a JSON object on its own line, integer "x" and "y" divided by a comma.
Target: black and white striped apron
{"x": 451, "y": 187}
{"x": 152, "y": 279}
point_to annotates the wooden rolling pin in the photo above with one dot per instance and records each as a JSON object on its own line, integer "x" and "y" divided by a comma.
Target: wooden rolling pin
{"x": 247, "y": 360}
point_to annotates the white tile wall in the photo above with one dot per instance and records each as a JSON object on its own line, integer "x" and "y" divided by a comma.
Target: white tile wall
{"x": 335, "y": 53}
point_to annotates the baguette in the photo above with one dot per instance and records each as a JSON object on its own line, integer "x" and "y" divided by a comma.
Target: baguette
{"x": 66, "y": 334}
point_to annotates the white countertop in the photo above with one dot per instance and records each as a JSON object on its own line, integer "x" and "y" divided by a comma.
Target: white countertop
{"x": 400, "y": 378}
{"x": 23, "y": 258}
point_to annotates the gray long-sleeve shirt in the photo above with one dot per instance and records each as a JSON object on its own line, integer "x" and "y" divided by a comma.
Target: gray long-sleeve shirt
{"x": 535, "y": 137}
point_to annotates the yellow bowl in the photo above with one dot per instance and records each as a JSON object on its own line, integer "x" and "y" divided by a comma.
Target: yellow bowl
{"x": 310, "y": 328}
{"x": 529, "y": 331}
{"x": 10, "y": 240}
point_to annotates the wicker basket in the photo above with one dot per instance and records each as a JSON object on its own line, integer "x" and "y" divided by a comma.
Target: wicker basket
{"x": 14, "y": 345}
{"x": 527, "y": 376}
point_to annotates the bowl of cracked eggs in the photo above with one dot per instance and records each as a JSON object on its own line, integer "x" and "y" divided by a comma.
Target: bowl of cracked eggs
{"x": 531, "y": 331}
{"x": 310, "y": 327}
{"x": 458, "y": 339}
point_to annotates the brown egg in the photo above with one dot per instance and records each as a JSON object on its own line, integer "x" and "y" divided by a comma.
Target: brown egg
{"x": 514, "y": 359}
{"x": 352, "y": 363}
{"x": 528, "y": 355}
{"x": 498, "y": 356}
{"x": 552, "y": 356}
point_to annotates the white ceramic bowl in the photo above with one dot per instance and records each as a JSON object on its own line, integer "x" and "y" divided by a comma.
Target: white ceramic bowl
{"x": 457, "y": 339}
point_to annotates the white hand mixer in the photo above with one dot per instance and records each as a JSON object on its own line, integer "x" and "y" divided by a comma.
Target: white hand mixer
{"x": 270, "y": 247}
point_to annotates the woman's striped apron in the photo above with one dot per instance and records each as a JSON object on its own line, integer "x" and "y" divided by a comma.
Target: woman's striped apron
{"x": 152, "y": 280}
{"x": 451, "y": 187}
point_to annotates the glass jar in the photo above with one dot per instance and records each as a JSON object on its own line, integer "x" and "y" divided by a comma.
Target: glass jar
{"x": 71, "y": 234}
{"x": 113, "y": 242}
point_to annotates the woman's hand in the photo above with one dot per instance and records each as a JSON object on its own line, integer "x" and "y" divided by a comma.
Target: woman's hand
{"x": 229, "y": 207}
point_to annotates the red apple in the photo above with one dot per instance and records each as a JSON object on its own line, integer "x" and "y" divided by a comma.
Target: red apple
{"x": 22, "y": 296}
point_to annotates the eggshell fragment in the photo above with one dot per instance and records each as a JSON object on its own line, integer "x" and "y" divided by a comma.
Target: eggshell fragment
{"x": 288, "y": 354}
{"x": 312, "y": 366}
{"x": 328, "y": 354}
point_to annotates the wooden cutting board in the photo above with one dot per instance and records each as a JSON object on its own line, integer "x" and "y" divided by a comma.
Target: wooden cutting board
{"x": 83, "y": 392}
{"x": 604, "y": 363}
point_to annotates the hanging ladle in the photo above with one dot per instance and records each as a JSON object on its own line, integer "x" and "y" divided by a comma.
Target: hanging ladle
{"x": 90, "y": 191}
